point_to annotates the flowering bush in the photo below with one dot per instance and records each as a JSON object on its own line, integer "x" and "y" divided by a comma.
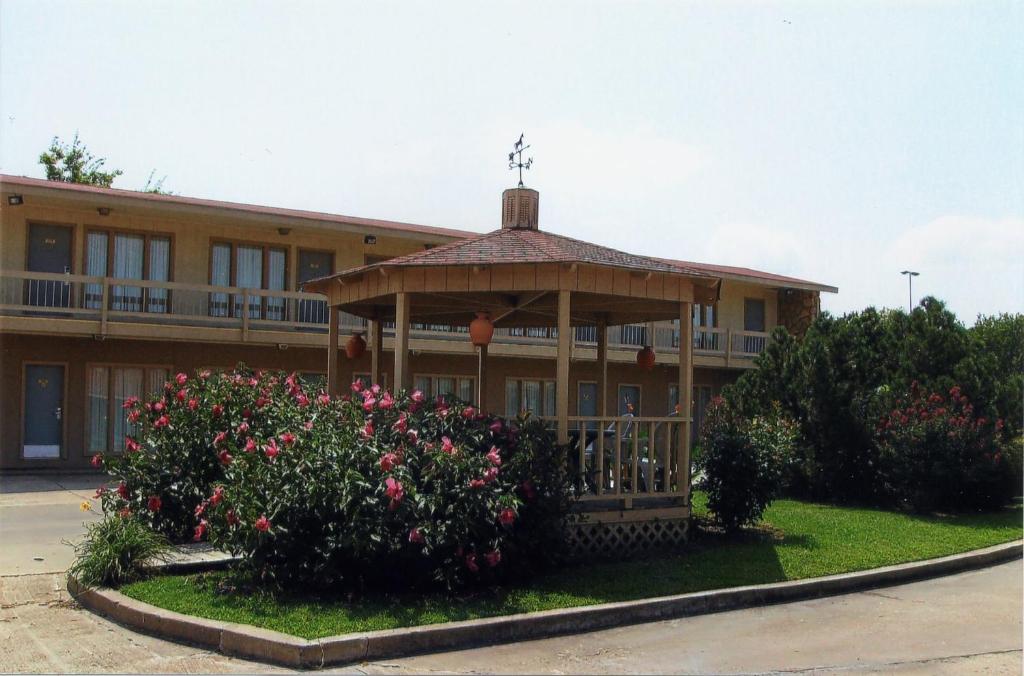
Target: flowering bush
{"x": 370, "y": 488}
{"x": 937, "y": 454}
{"x": 743, "y": 461}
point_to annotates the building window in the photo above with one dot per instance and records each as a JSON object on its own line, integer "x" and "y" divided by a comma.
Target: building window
{"x": 463, "y": 387}
{"x": 107, "y": 388}
{"x": 128, "y": 255}
{"x": 629, "y": 400}
{"x": 701, "y": 401}
{"x": 249, "y": 266}
{"x": 533, "y": 396}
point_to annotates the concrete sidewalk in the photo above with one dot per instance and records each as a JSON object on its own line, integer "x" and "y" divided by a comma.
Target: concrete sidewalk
{"x": 38, "y": 512}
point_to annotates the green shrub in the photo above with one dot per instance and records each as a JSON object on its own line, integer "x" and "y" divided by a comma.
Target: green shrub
{"x": 743, "y": 462}
{"x": 115, "y": 550}
{"x": 938, "y": 454}
{"x": 371, "y": 488}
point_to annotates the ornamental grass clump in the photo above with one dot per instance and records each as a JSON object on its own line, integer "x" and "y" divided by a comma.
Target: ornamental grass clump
{"x": 371, "y": 489}
{"x": 115, "y": 551}
{"x": 937, "y": 453}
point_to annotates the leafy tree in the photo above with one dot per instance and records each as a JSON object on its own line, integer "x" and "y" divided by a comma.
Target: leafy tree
{"x": 992, "y": 373}
{"x": 75, "y": 164}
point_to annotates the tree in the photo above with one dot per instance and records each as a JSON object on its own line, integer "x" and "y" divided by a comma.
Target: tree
{"x": 75, "y": 164}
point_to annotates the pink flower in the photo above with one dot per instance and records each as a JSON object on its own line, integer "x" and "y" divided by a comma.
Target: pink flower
{"x": 200, "y": 508}
{"x": 217, "y": 410}
{"x": 130, "y": 402}
{"x": 417, "y": 396}
{"x": 130, "y": 445}
{"x": 154, "y": 503}
{"x": 491, "y": 475}
{"x": 302, "y": 400}
{"x": 447, "y": 446}
{"x": 471, "y": 563}
{"x": 288, "y": 438}
{"x": 218, "y": 495}
{"x": 271, "y": 449}
{"x": 468, "y": 412}
{"x": 231, "y": 518}
{"x": 193, "y": 404}
{"x": 367, "y": 429}
{"x": 181, "y": 396}
{"x": 476, "y": 483}
{"x": 369, "y": 403}
{"x": 394, "y": 489}
{"x": 203, "y": 375}
{"x": 507, "y": 517}
{"x": 262, "y": 524}
{"x": 324, "y": 399}
{"x": 375, "y": 388}
{"x": 162, "y": 421}
{"x": 250, "y": 445}
{"x": 495, "y": 427}
{"x": 493, "y": 558}
{"x": 357, "y": 385}
{"x": 261, "y": 402}
{"x": 97, "y": 460}
{"x": 246, "y": 413}
{"x": 133, "y": 416}
{"x": 308, "y": 425}
{"x": 401, "y": 425}
{"x": 388, "y": 462}
{"x": 181, "y": 378}
{"x": 99, "y": 492}
{"x": 494, "y": 456}
{"x": 414, "y": 436}
{"x": 225, "y": 458}
{"x": 242, "y": 428}
{"x": 415, "y": 536}
{"x": 219, "y": 439}
{"x": 122, "y": 490}
{"x": 387, "y": 401}
{"x": 158, "y": 406}
{"x": 200, "y": 531}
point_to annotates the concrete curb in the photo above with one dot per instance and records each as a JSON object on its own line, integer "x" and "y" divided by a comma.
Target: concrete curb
{"x": 270, "y": 646}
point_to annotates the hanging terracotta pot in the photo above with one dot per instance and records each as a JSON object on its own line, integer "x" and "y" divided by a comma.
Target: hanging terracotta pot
{"x": 355, "y": 347}
{"x": 481, "y": 329}
{"x": 645, "y": 358}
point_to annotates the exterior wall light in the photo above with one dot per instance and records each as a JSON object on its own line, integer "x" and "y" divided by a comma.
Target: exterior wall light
{"x": 370, "y": 239}
{"x": 15, "y": 200}
{"x": 103, "y": 211}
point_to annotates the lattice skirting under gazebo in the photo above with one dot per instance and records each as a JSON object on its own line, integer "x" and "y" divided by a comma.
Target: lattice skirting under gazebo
{"x": 589, "y": 538}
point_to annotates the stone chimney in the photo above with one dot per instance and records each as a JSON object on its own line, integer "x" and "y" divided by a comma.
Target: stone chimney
{"x": 519, "y": 208}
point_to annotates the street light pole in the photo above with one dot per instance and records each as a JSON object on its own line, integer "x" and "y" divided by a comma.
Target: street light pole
{"x": 910, "y": 283}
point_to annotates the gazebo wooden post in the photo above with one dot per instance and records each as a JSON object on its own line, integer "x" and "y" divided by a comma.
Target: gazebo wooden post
{"x": 602, "y": 367}
{"x": 376, "y": 350}
{"x": 333, "y": 377}
{"x": 402, "y": 376}
{"x": 562, "y": 371}
{"x": 481, "y": 379}
{"x": 685, "y": 394}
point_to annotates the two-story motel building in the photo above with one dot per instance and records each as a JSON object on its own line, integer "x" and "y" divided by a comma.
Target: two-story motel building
{"x": 104, "y": 293}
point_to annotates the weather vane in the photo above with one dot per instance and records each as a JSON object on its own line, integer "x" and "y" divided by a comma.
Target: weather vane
{"x": 517, "y": 163}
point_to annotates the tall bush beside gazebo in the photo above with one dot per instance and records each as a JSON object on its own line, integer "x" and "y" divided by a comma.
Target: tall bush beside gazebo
{"x": 634, "y": 478}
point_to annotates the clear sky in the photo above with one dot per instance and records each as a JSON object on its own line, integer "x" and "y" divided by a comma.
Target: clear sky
{"x": 836, "y": 141}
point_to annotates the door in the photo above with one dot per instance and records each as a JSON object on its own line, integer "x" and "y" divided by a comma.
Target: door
{"x": 43, "y": 435}
{"x": 586, "y": 403}
{"x": 49, "y": 250}
{"x": 753, "y": 320}
{"x": 313, "y": 264}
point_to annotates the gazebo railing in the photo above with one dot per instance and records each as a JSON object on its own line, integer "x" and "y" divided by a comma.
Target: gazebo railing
{"x": 625, "y": 456}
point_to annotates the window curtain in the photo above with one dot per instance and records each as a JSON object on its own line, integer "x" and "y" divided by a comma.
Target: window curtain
{"x": 549, "y": 397}
{"x": 159, "y": 271}
{"x": 511, "y": 398}
{"x": 220, "y": 275}
{"x": 531, "y": 396}
{"x": 99, "y": 409}
{"x": 445, "y": 385}
{"x": 466, "y": 388}
{"x": 95, "y": 266}
{"x": 249, "y": 275}
{"x": 422, "y": 383}
{"x": 128, "y": 260}
{"x": 127, "y": 382}
{"x": 276, "y": 309}
{"x": 155, "y": 379}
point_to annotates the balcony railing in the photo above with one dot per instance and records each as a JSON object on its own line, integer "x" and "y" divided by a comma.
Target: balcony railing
{"x": 106, "y": 299}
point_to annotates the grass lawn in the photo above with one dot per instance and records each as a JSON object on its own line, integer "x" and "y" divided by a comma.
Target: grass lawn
{"x": 809, "y": 540}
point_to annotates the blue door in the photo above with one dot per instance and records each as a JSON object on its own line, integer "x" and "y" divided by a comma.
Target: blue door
{"x": 587, "y": 403}
{"x": 49, "y": 250}
{"x": 44, "y": 411}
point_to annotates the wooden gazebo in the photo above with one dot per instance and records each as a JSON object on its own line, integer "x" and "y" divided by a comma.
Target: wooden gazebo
{"x": 523, "y": 277}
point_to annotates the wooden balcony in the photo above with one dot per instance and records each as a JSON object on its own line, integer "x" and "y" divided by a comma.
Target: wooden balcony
{"x": 53, "y": 303}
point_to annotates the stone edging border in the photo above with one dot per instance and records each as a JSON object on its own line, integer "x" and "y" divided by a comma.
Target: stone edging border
{"x": 263, "y": 645}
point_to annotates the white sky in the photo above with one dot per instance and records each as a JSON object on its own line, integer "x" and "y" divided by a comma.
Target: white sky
{"x": 836, "y": 141}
